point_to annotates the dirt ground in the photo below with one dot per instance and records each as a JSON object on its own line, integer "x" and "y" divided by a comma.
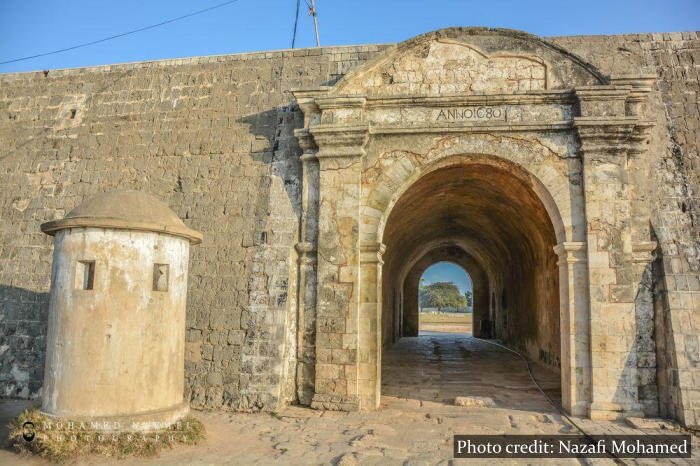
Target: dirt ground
{"x": 446, "y": 322}
{"x": 415, "y": 425}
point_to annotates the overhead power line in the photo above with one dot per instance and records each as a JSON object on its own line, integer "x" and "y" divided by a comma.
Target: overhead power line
{"x": 296, "y": 20}
{"x": 116, "y": 36}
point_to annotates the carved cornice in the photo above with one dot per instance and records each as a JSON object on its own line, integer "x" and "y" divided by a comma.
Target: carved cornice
{"x": 605, "y": 93}
{"x": 612, "y": 135}
{"x": 471, "y": 127}
{"x": 639, "y": 86}
{"x": 565, "y": 96}
{"x": 308, "y": 157}
{"x": 334, "y": 102}
{"x": 604, "y": 136}
{"x": 340, "y": 141}
{"x": 309, "y": 93}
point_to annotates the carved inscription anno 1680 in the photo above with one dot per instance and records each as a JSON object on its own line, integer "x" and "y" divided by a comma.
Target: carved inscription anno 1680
{"x": 470, "y": 113}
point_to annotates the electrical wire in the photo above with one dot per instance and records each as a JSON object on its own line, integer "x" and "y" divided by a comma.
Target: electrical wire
{"x": 549, "y": 399}
{"x": 296, "y": 20}
{"x": 105, "y": 39}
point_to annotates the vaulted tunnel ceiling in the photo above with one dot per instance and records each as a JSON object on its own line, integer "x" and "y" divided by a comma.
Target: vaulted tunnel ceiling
{"x": 487, "y": 208}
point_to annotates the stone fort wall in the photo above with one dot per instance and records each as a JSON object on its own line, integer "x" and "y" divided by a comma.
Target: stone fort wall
{"x": 213, "y": 137}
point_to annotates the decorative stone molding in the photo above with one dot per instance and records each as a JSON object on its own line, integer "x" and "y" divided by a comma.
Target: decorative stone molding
{"x": 340, "y": 102}
{"x": 640, "y": 87}
{"x": 602, "y": 101}
{"x": 571, "y": 252}
{"x": 306, "y": 99}
{"x": 340, "y": 141}
{"x": 554, "y": 96}
{"x": 468, "y": 127}
{"x": 305, "y": 140}
{"x": 372, "y": 253}
{"x": 639, "y": 138}
{"x": 642, "y": 252}
{"x": 307, "y": 252}
{"x": 605, "y": 136}
{"x": 308, "y": 157}
{"x": 610, "y": 120}
{"x": 341, "y": 110}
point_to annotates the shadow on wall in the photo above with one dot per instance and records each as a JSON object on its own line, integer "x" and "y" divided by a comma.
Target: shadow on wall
{"x": 276, "y": 145}
{"x": 264, "y": 376}
{"x": 640, "y": 367}
{"x": 666, "y": 367}
{"x": 23, "y": 321}
{"x": 652, "y": 358}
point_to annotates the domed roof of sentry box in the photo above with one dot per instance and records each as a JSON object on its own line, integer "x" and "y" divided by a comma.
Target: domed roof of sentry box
{"x": 124, "y": 210}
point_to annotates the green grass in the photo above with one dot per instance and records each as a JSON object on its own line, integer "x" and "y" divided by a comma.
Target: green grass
{"x": 61, "y": 440}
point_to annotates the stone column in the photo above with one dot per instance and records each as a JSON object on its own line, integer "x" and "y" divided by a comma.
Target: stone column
{"x": 604, "y": 132}
{"x": 370, "y": 332}
{"x": 341, "y": 148}
{"x": 575, "y": 327}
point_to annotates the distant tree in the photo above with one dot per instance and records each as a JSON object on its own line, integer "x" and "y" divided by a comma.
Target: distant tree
{"x": 469, "y": 297}
{"x": 440, "y": 295}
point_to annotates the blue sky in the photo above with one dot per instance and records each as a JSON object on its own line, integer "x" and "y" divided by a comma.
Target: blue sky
{"x": 34, "y": 26}
{"x": 447, "y": 272}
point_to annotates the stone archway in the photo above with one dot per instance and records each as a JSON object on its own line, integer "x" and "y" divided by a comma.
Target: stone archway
{"x": 463, "y": 97}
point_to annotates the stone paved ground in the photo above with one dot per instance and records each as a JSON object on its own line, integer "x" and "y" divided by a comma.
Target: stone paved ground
{"x": 414, "y": 426}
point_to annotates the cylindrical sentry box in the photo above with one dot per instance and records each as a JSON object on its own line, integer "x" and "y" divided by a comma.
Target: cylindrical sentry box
{"x": 116, "y": 329}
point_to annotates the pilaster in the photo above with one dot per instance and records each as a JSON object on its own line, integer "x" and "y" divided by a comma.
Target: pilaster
{"x": 370, "y": 317}
{"x": 307, "y": 281}
{"x": 606, "y": 134}
{"x": 574, "y": 327}
{"x": 340, "y": 151}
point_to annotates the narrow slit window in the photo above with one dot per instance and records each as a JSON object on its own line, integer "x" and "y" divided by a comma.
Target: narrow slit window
{"x": 160, "y": 277}
{"x": 85, "y": 275}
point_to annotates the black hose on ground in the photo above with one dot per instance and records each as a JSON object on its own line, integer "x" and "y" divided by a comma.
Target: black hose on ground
{"x": 549, "y": 399}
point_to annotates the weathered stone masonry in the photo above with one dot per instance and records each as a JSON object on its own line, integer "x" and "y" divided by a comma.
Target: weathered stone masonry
{"x": 214, "y": 137}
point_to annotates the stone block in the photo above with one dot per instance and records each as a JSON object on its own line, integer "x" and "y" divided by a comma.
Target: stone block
{"x": 475, "y": 402}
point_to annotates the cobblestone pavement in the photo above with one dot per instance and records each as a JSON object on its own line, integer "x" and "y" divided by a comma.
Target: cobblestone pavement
{"x": 415, "y": 424}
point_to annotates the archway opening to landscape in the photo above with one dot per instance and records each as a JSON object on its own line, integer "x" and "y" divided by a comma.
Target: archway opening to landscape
{"x": 442, "y": 293}
{"x": 445, "y": 299}
{"x": 485, "y": 216}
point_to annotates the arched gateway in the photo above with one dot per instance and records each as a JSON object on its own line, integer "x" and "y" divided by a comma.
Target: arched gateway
{"x": 510, "y": 152}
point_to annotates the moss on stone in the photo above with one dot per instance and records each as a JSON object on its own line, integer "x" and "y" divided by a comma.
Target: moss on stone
{"x": 62, "y": 439}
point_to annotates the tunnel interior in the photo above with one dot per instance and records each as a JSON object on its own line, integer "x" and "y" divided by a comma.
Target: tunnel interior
{"x": 486, "y": 217}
